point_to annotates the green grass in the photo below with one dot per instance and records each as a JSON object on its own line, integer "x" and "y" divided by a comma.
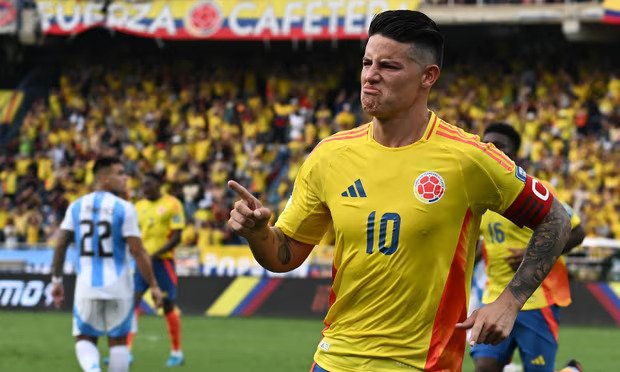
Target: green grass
{"x": 42, "y": 342}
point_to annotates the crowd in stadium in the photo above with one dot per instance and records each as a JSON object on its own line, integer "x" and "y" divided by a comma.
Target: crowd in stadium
{"x": 199, "y": 127}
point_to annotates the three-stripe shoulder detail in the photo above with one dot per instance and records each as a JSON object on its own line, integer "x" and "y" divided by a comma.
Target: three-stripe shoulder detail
{"x": 455, "y": 134}
{"x": 358, "y": 132}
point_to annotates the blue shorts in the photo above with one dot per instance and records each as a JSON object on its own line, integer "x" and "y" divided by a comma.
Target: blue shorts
{"x": 166, "y": 275}
{"x": 535, "y": 333}
{"x": 317, "y": 368}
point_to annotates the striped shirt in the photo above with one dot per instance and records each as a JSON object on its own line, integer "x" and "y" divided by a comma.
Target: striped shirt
{"x": 100, "y": 223}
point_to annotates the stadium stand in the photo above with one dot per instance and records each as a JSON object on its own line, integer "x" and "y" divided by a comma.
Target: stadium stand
{"x": 253, "y": 110}
{"x": 198, "y": 126}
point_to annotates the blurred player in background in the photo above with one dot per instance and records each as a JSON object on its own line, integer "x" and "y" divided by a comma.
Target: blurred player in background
{"x": 535, "y": 332}
{"x": 104, "y": 228}
{"x": 161, "y": 221}
{"x": 405, "y": 194}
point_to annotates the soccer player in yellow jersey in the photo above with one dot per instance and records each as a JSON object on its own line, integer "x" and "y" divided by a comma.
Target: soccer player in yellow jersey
{"x": 405, "y": 194}
{"x": 535, "y": 333}
{"x": 161, "y": 221}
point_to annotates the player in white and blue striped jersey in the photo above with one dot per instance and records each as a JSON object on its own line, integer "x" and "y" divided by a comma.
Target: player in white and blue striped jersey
{"x": 104, "y": 228}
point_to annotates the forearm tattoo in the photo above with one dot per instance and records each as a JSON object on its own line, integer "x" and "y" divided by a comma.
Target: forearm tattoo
{"x": 284, "y": 247}
{"x": 544, "y": 248}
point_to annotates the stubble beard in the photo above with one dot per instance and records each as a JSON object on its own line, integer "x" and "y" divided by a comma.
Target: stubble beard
{"x": 370, "y": 105}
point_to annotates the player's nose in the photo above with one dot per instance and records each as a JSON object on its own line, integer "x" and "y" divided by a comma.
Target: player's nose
{"x": 371, "y": 75}
{"x": 372, "y": 78}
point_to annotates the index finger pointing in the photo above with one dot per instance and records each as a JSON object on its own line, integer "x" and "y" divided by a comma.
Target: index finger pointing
{"x": 243, "y": 193}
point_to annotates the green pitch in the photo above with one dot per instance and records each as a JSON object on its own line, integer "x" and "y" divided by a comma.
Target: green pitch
{"x": 42, "y": 342}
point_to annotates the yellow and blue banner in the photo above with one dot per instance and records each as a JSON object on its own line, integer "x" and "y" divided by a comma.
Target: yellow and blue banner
{"x": 612, "y": 11}
{"x": 243, "y": 296}
{"x": 219, "y": 19}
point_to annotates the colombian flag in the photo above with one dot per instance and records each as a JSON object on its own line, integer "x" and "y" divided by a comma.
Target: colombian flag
{"x": 10, "y": 102}
{"x": 612, "y": 11}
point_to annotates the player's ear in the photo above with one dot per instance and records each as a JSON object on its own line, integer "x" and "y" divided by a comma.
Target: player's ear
{"x": 430, "y": 76}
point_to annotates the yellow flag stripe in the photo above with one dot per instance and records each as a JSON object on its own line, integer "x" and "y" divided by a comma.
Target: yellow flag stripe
{"x": 236, "y": 292}
{"x": 615, "y": 288}
{"x": 612, "y": 5}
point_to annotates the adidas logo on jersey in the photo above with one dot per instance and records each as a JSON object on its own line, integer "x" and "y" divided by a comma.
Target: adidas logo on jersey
{"x": 538, "y": 361}
{"x": 354, "y": 191}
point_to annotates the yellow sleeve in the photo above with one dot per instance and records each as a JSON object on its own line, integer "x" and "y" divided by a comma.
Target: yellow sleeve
{"x": 177, "y": 222}
{"x": 493, "y": 181}
{"x": 306, "y": 217}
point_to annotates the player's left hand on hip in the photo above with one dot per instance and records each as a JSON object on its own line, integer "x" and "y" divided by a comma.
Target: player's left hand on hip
{"x": 490, "y": 324}
{"x": 158, "y": 297}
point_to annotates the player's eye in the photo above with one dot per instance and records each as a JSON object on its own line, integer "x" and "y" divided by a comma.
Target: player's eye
{"x": 389, "y": 66}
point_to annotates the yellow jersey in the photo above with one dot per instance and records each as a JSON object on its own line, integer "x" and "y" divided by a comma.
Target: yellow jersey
{"x": 500, "y": 234}
{"x": 157, "y": 220}
{"x": 406, "y": 222}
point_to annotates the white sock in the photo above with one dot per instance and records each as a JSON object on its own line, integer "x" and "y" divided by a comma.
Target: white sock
{"x": 119, "y": 358}
{"x": 87, "y": 355}
{"x": 176, "y": 353}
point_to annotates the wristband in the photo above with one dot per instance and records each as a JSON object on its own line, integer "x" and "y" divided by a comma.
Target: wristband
{"x": 56, "y": 279}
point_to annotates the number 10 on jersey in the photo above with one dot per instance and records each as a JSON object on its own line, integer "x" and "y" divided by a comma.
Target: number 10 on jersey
{"x": 386, "y": 249}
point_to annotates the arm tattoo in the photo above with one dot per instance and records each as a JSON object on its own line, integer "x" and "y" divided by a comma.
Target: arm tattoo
{"x": 576, "y": 237}
{"x": 543, "y": 249}
{"x": 284, "y": 247}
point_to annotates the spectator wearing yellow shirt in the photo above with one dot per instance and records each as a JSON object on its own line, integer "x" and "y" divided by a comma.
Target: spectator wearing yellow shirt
{"x": 196, "y": 120}
{"x": 34, "y": 221}
{"x": 208, "y": 234}
{"x": 8, "y": 178}
{"x": 345, "y": 119}
{"x": 201, "y": 148}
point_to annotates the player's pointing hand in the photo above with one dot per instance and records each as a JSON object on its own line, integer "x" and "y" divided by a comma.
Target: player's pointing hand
{"x": 248, "y": 215}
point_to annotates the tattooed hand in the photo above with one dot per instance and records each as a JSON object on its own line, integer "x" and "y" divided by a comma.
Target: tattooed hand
{"x": 493, "y": 323}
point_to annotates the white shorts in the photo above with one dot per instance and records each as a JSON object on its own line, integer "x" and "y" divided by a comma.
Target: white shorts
{"x": 97, "y": 317}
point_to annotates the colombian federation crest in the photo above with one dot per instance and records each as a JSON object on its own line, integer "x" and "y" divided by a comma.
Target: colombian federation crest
{"x": 429, "y": 187}
{"x": 204, "y": 19}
